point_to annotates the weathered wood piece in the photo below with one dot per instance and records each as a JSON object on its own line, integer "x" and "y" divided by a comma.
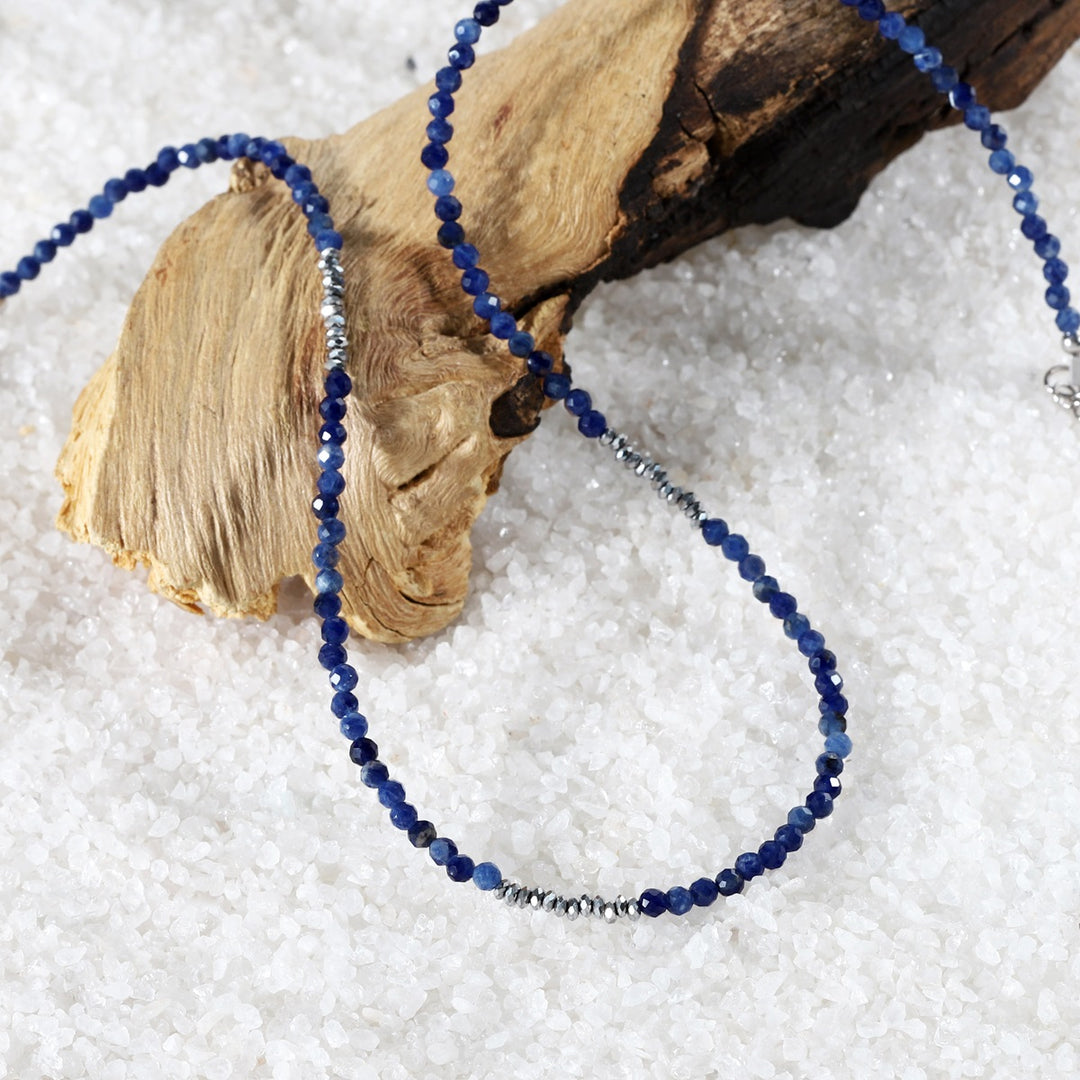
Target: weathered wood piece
{"x": 613, "y": 136}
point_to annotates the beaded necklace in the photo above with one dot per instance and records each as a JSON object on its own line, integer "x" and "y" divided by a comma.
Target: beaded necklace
{"x": 591, "y": 423}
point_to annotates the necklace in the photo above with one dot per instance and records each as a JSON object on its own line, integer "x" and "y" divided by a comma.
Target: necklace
{"x": 591, "y": 424}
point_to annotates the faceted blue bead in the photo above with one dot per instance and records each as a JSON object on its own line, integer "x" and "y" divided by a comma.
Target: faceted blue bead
{"x": 811, "y": 643}
{"x": 316, "y": 205}
{"x": 441, "y": 104}
{"x": 460, "y": 868}
{"x": 461, "y": 57}
{"x": 332, "y": 408}
{"x": 1068, "y": 321}
{"x": 391, "y": 793}
{"x": 1057, "y": 297}
{"x": 749, "y": 865}
{"x": 332, "y": 654}
{"x": 833, "y": 702}
{"x": 556, "y": 385}
{"x": 318, "y": 223}
{"x": 62, "y": 235}
{"x": 475, "y": 281}
{"x": 440, "y": 131}
{"x": 27, "y": 268}
{"x": 422, "y": 834}
{"x": 729, "y": 882}
{"x": 115, "y": 190}
{"x": 1033, "y": 226}
{"x": 871, "y": 10}
{"x": 486, "y": 876}
{"x": 343, "y": 703}
{"x": 962, "y": 96}
{"x": 343, "y": 677}
{"x": 1002, "y": 162}
{"x": 829, "y": 723}
{"x": 440, "y": 182}
{"x": 335, "y": 630}
{"x": 977, "y": 117}
{"x": 829, "y": 764}
{"x": 593, "y": 424}
{"x": 272, "y": 151}
{"x": 1026, "y": 203}
{"x": 134, "y": 181}
{"x": 1048, "y": 246}
{"x": 331, "y": 531}
{"x": 772, "y": 854}
{"x": 442, "y": 850}
{"x": 448, "y": 80}
{"x": 167, "y": 159}
{"x": 927, "y": 59}
{"x": 330, "y": 482}
{"x": 328, "y": 239}
{"x": 503, "y": 325}
{"x": 653, "y": 902}
{"x": 156, "y": 176}
{"x": 450, "y": 235}
{"x": 296, "y": 174}
{"x": 715, "y": 531}
{"x": 237, "y": 144}
{"x": 789, "y": 837}
{"x": 521, "y": 343}
{"x": 795, "y": 625}
{"x": 783, "y": 604}
{"x": 100, "y": 207}
{"x": 10, "y": 283}
{"x": 819, "y": 804}
{"x": 828, "y": 683}
{"x": 326, "y": 605}
{"x": 829, "y": 784}
{"x": 890, "y": 25}
{"x": 486, "y": 13}
{"x": 1055, "y": 271}
{"x": 188, "y": 156}
{"x": 303, "y": 190}
{"x": 82, "y": 221}
{"x": 944, "y": 78}
{"x": 751, "y": 567}
{"x": 487, "y": 305}
{"x": 447, "y": 208}
{"x": 325, "y": 556}
{"x": 735, "y": 547}
{"x": 679, "y": 900}
{"x": 363, "y": 750}
{"x": 467, "y": 32}
{"x": 222, "y": 144}
{"x": 1021, "y": 178}
{"x": 466, "y": 256}
{"x": 354, "y": 725}
{"x": 434, "y": 156}
{"x": 578, "y": 402}
{"x": 765, "y": 588}
{"x": 838, "y": 743}
{"x": 540, "y": 362}
{"x": 324, "y": 506}
{"x": 801, "y": 818}
{"x": 374, "y": 774}
{"x": 911, "y": 39}
{"x": 704, "y": 892}
{"x": 994, "y": 137}
{"x": 403, "y": 815}
{"x": 331, "y": 456}
{"x": 333, "y": 431}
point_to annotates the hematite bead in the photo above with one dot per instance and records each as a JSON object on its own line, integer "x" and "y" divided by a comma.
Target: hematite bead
{"x": 442, "y": 850}
{"x": 374, "y": 773}
{"x": 573, "y": 909}
{"x": 729, "y": 882}
{"x": 789, "y": 837}
{"x": 772, "y": 854}
{"x": 749, "y": 865}
{"x": 421, "y": 834}
{"x": 363, "y": 751}
{"x": 550, "y": 900}
{"x": 653, "y": 903}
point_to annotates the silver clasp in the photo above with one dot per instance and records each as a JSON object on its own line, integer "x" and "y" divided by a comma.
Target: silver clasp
{"x": 1066, "y": 391}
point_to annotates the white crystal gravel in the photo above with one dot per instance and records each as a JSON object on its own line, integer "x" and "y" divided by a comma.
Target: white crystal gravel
{"x": 194, "y": 884}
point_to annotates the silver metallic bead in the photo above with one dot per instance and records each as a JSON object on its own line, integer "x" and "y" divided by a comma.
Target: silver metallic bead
{"x": 337, "y": 341}
{"x": 608, "y": 437}
{"x": 536, "y": 898}
{"x": 334, "y": 322}
{"x": 619, "y": 442}
{"x": 632, "y": 460}
{"x": 550, "y": 900}
{"x": 620, "y": 906}
{"x": 329, "y": 308}
{"x": 673, "y": 495}
{"x": 560, "y": 907}
{"x": 658, "y": 479}
{"x": 691, "y": 511}
{"x": 643, "y": 466}
{"x": 585, "y": 904}
{"x": 633, "y": 911}
{"x": 339, "y": 356}
{"x": 598, "y": 905}
{"x": 609, "y": 913}
{"x": 500, "y": 890}
{"x": 699, "y": 517}
{"x": 684, "y": 500}
{"x": 572, "y": 910}
{"x": 665, "y": 489}
{"x": 1071, "y": 344}
{"x": 523, "y": 896}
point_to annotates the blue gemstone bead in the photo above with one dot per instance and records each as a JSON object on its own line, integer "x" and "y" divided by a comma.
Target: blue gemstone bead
{"x": 962, "y": 96}
{"x": 466, "y": 256}
{"x": 343, "y": 703}
{"x": 944, "y": 78}
{"x": 303, "y": 190}
{"x": 447, "y": 208}
{"x": 27, "y": 268}
{"x": 801, "y": 818}
{"x": 442, "y": 850}
{"x": 486, "y": 13}
{"x": 838, "y": 743}
{"x": 391, "y": 793}
{"x": 822, "y": 663}
{"x": 1002, "y": 162}
{"x": 467, "y": 32}
{"x": 62, "y": 235}
{"x": 890, "y": 25}
{"x": 679, "y": 900}
{"x": 331, "y": 655}
{"x": 829, "y": 784}
{"x": 115, "y": 190}
{"x": 315, "y": 205}
{"x": 977, "y": 117}
{"x": 556, "y": 385}
{"x": 363, "y": 750}
{"x": 831, "y": 702}
{"x": 521, "y": 343}
{"x": 272, "y": 151}
{"x": 735, "y": 547}
{"x": 374, "y": 774}
{"x": 704, "y": 892}
{"x": 325, "y": 556}
{"x": 829, "y": 764}
{"x": 461, "y": 57}
{"x": 475, "y": 281}
{"x": 811, "y": 643}
{"x": 332, "y": 408}
{"x": 296, "y": 174}
{"x": 333, "y": 431}
{"x": 751, "y": 567}
{"x": 440, "y": 182}
{"x": 578, "y": 402}
{"x": 441, "y": 104}
{"x": 765, "y": 588}
{"x": 653, "y": 902}
{"x": 403, "y": 816}
{"x": 1048, "y": 246}
{"x": 994, "y": 137}
{"x": 487, "y": 305}
{"x": 1021, "y": 178}
{"x": 819, "y": 804}
{"x": 328, "y": 239}
{"x": 450, "y": 235}
{"x": 911, "y": 39}
{"x": 772, "y": 854}
{"x": 783, "y": 604}
{"x": 929, "y": 58}
{"x": 422, "y": 834}
{"x": 448, "y": 79}
{"x": 354, "y": 725}
{"x": 318, "y": 223}
{"x": 188, "y": 156}
{"x": 540, "y": 362}
{"x": 134, "y": 180}
{"x": 460, "y": 868}
{"x": 715, "y": 531}
{"x": 100, "y": 207}
{"x": 156, "y": 176}
{"x": 82, "y": 221}
{"x": 789, "y": 837}
{"x": 829, "y": 723}
{"x": 434, "y": 156}
{"x": 1068, "y": 321}
{"x": 1055, "y": 271}
{"x": 335, "y": 630}
{"x": 828, "y": 684}
{"x": 593, "y": 424}
{"x": 504, "y": 325}
{"x": 10, "y": 283}
{"x": 729, "y": 882}
{"x": 343, "y": 677}
{"x": 440, "y": 131}
{"x": 167, "y": 159}
{"x": 1033, "y": 226}
{"x": 330, "y": 482}
{"x": 1026, "y": 203}
{"x": 871, "y": 10}
{"x": 795, "y": 625}
{"x": 324, "y": 506}
{"x": 1057, "y": 297}
{"x": 749, "y": 865}
{"x": 486, "y": 876}
{"x": 237, "y": 144}
{"x": 331, "y": 456}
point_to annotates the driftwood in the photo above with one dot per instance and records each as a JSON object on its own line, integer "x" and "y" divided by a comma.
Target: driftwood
{"x": 615, "y": 135}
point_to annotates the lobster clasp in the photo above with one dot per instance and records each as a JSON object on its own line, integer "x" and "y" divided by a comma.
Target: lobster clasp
{"x": 1062, "y": 381}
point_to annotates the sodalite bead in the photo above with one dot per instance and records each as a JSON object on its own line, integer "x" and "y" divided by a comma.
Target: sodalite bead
{"x": 448, "y": 79}
{"x": 421, "y": 834}
{"x": 27, "y": 268}
{"x": 450, "y": 234}
{"x": 467, "y": 31}
{"x": 324, "y": 506}
{"x": 831, "y": 723}
{"x": 704, "y": 892}
{"x": 504, "y": 325}
{"x": 836, "y": 703}
{"x": 330, "y": 482}
{"x": 540, "y": 362}
{"x": 714, "y": 530}
{"x": 332, "y": 409}
{"x": 135, "y": 180}
{"x": 592, "y": 425}
{"x": 460, "y": 868}
{"x": 578, "y": 402}
{"x": 466, "y": 256}
{"x": 751, "y": 567}
{"x": 440, "y": 182}
{"x": 337, "y": 384}
{"x": 772, "y": 854}
{"x": 1021, "y": 178}
{"x": 801, "y": 818}
{"x": 811, "y": 643}
{"x": 486, "y": 13}
{"x": 749, "y": 865}
{"x": 10, "y": 283}
{"x": 329, "y": 240}
{"x": 1033, "y": 226}
{"x": 434, "y": 156}
{"x": 1002, "y": 162}
{"x": 374, "y": 774}
{"x": 100, "y": 207}
{"x": 1047, "y": 246}
{"x": 168, "y": 160}
{"x": 795, "y": 625}
{"x": 331, "y": 456}
{"x": 944, "y": 78}
{"x": 330, "y": 655}
{"x": 735, "y": 547}
{"x": 329, "y": 581}
{"x": 1055, "y": 271}
{"x": 977, "y": 118}
{"x": 789, "y": 837}
{"x": 556, "y": 385}
{"x": 335, "y": 631}
{"x": 343, "y": 677}
{"x": 822, "y": 663}
{"x": 679, "y": 900}
{"x": 403, "y": 816}
{"x": 890, "y": 25}
{"x": 487, "y": 305}
{"x": 765, "y": 588}
{"x": 363, "y": 750}
{"x": 911, "y": 39}
{"x": 653, "y": 902}
{"x": 442, "y": 850}
{"x": 440, "y": 131}
{"x": 354, "y": 725}
{"x": 729, "y": 882}
{"x": 325, "y": 556}
{"x": 962, "y": 96}
{"x": 486, "y": 876}
{"x": 461, "y": 57}
{"x": 829, "y": 784}
{"x": 1057, "y": 297}
{"x": 82, "y": 221}
{"x": 332, "y": 531}
{"x": 782, "y": 605}
{"x": 871, "y": 10}
{"x": 62, "y": 235}
{"x": 391, "y": 793}
{"x": 447, "y": 208}
{"x": 343, "y": 703}
{"x": 521, "y": 343}
{"x": 927, "y": 59}
{"x": 819, "y": 804}
{"x": 475, "y": 281}
{"x": 318, "y": 223}
{"x": 441, "y": 104}
{"x": 1068, "y": 321}
{"x": 994, "y": 137}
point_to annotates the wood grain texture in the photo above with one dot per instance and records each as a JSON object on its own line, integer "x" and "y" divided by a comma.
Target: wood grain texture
{"x": 650, "y": 126}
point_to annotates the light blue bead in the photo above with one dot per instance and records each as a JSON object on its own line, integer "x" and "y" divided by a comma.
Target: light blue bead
{"x": 911, "y": 39}
{"x": 1021, "y": 178}
{"x": 467, "y": 32}
{"x": 927, "y": 59}
{"x": 440, "y": 182}
{"x": 486, "y": 876}
{"x": 1002, "y": 161}
{"x": 838, "y": 743}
